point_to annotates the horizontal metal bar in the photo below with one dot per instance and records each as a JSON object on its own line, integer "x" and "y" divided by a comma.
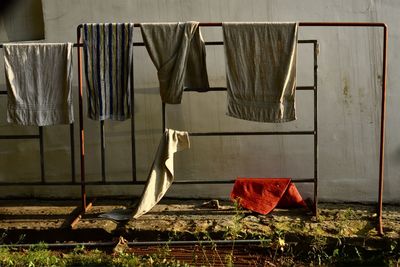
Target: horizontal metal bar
{"x": 342, "y": 24}
{"x": 300, "y": 180}
{"x": 219, "y": 89}
{"x": 299, "y": 41}
{"x": 304, "y": 88}
{"x": 313, "y": 24}
{"x": 301, "y": 24}
{"x": 210, "y": 89}
{"x": 140, "y": 243}
{"x": 253, "y": 133}
{"x": 3, "y": 92}
{"x": 28, "y": 136}
{"x": 206, "y": 43}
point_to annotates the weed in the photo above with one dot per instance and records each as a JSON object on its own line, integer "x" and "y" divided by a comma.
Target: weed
{"x": 37, "y": 255}
{"x": 3, "y": 237}
{"x": 317, "y": 252}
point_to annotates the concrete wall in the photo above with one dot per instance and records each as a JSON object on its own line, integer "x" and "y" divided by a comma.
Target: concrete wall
{"x": 350, "y": 64}
{"x": 21, "y": 20}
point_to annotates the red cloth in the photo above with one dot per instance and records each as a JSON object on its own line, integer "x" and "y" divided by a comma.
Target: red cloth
{"x": 262, "y": 195}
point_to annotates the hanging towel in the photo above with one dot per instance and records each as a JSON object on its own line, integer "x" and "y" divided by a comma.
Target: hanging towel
{"x": 262, "y": 195}
{"x": 261, "y": 70}
{"x": 108, "y": 66}
{"x": 38, "y": 80}
{"x": 160, "y": 177}
{"x": 178, "y": 52}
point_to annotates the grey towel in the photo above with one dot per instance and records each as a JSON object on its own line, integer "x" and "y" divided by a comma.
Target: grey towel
{"x": 108, "y": 64}
{"x": 160, "y": 177}
{"x": 39, "y": 83}
{"x": 178, "y": 52}
{"x": 261, "y": 70}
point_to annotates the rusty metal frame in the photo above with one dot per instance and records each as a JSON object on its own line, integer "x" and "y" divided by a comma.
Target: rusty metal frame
{"x": 219, "y": 24}
{"x": 86, "y": 206}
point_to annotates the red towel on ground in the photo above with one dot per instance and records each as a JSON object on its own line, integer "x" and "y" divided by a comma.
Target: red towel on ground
{"x": 262, "y": 195}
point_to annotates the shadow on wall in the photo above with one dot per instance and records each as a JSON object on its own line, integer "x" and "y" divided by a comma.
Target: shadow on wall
{"x": 21, "y": 20}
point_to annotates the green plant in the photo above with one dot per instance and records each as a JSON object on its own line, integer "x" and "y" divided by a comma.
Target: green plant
{"x": 317, "y": 251}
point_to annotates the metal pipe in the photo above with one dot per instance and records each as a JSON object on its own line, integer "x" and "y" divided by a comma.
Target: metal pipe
{"x": 176, "y": 182}
{"x": 28, "y": 136}
{"x": 102, "y": 151}
{"x": 252, "y": 133}
{"x": 316, "y": 129}
{"x": 217, "y": 89}
{"x": 163, "y": 117}
{"x": 382, "y": 132}
{"x": 80, "y": 215}
{"x": 142, "y": 243}
{"x": 81, "y": 129}
{"x": 302, "y": 23}
{"x": 41, "y": 150}
{"x": 72, "y": 144}
{"x": 311, "y": 24}
{"x": 133, "y": 141}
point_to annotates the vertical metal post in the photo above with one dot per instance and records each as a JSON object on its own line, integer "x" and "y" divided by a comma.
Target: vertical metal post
{"x": 163, "y": 117}
{"x": 316, "y": 128}
{"x": 81, "y": 130}
{"x": 382, "y": 132}
{"x": 72, "y": 144}
{"x": 102, "y": 149}
{"x": 133, "y": 142}
{"x": 41, "y": 151}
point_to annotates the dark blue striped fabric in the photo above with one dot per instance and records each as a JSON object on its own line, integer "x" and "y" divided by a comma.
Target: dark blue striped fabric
{"x": 108, "y": 65}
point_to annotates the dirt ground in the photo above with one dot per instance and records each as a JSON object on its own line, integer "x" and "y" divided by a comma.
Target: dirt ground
{"x": 49, "y": 221}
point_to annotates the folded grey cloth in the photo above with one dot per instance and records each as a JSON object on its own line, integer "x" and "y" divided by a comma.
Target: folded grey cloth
{"x": 261, "y": 70}
{"x": 160, "y": 177}
{"x": 108, "y": 64}
{"x": 178, "y": 52}
{"x": 39, "y": 84}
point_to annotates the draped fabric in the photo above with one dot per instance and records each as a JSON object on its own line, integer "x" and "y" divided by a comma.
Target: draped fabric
{"x": 261, "y": 70}
{"x": 262, "y": 195}
{"x": 39, "y": 80}
{"x": 108, "y": 66}
{"x": 160, "y": 177}
{"x": 178, "y": 52}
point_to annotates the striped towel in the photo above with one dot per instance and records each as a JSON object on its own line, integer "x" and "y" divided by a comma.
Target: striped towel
{"x": 108, "y": 65}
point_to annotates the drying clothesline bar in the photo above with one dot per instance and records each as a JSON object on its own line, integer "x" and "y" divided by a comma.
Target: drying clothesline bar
{"x": 308, "y": 180}
{"x": 253, "y": 133}
{"x": 217, "y": 89}
{"x": 28, "y": 136}
{"x": 311, "y": 24}
{"x": 206, "y": 43}
{"x": 301, "y": 24}
{"x": 182, "y": 182}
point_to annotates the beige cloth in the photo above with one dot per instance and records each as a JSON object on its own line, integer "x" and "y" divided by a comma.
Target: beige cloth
{"x": 178, "y": 52}
{"x": 39, "y": 80}
{"x": 160, "y": 177}
{"x": 261, "y": 70}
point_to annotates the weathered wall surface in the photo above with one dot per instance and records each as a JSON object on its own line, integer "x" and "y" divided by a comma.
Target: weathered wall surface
{"x": 350, "y": 64}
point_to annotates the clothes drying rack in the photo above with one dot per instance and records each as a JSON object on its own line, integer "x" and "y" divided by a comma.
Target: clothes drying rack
{"x": 314, "y": 132}
{"x": 85, "y": 205}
